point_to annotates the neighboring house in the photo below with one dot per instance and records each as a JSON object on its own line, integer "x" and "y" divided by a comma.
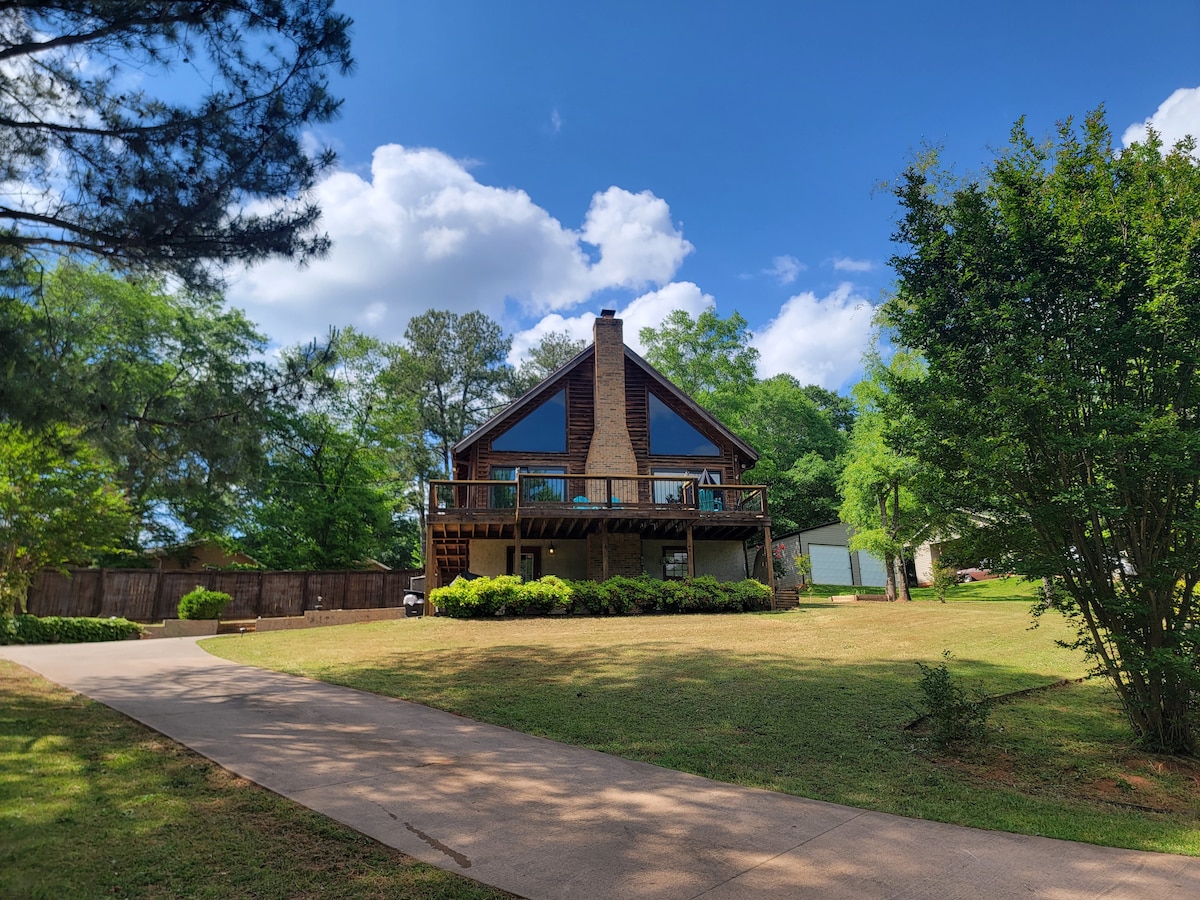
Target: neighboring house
{"x": 833, "y": 562}
{"x": 604, "y": 468}
{"x": 199, "y": 555}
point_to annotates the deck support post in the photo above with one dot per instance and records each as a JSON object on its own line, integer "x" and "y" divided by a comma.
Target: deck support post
{"x": 517, "y": 548}
{"x": 769, "y": 553}
{"x": 691, "y": 553}
{"x": 430, "y": 569}
{"x": 604, "y": 549}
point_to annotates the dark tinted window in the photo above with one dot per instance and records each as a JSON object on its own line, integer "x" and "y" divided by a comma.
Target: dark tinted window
{"x": 542, "y": 431}
{"x": 670, "y": 435}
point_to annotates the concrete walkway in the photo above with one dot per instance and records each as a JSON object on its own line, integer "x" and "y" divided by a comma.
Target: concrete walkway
{"x": 544, "y": 819}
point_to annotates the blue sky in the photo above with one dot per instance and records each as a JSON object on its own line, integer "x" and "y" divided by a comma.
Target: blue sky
{"x": 541, "y": 160}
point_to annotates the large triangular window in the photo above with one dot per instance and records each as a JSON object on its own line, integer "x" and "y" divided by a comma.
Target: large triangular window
{"x": 542, "y": 431}
{"x": 670, "y": 435}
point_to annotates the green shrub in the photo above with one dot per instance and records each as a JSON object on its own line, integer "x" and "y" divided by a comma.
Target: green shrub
{"x": 548, "y": 594}
{"x": 616, "y": 596}
{"x": 456, "y": 599}
{"x": 750, "y": 595}
{"x": 202, "y": 604}
{"x": 623, "y": 595}
{"x": 590, "y": 596}
{"x": 706, "y": 594}
{"x": 955, "y": 714}
{"x": 64, "y": 629}
{"x": 496, "y": 594}
{"x": 476, "y": 597}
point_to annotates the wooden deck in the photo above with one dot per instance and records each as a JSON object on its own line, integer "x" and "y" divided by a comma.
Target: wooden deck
{"x": 538, "y": 506}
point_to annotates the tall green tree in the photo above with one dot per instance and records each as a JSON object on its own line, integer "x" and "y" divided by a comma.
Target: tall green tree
{"x": 800, "y": 449}
{"x": 115, "y": 172}
{"x": 169, "y": 387}
{"x": 59, "y": 504}
{"x": 551, "y": 353}
{"x": 881, "y": 478}
{"x": 333, "y": 490}
{"x": 1056, "y": 301}
{"x": 706, "y": 356}
{"x": 454, "y": 366}
{"x": 800, "y": 432}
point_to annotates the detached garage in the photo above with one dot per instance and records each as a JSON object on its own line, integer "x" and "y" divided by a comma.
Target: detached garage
{"x": 833, "y": 562}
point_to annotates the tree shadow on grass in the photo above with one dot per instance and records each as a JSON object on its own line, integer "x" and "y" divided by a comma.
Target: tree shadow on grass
{"x": 507, "y": 807}
{"x": 93, "y": 803}
{"x": 816, "y": 728}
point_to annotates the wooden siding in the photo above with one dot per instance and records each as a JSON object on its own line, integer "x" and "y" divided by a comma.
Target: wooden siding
{"x": 479, "y": 459}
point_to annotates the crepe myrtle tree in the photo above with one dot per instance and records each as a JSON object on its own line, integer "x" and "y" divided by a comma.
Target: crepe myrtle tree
{"x": 1056, "y": 303}
{"x": 96, "y": 161}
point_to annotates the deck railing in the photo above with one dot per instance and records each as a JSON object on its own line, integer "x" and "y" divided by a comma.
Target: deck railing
{"x": 535, "y": 492}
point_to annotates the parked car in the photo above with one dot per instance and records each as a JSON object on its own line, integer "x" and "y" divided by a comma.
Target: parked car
{"x": 973, "y": 574}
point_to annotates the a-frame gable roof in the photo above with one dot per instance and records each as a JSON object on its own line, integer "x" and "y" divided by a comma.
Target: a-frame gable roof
{"x": 551, "y": 383}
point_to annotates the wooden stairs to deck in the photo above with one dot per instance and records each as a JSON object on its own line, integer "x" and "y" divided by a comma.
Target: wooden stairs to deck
{"x": 450, "y": 557}
{"x": 786, "y": 598}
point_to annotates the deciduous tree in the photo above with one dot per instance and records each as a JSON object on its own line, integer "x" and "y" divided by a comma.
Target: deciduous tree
{"x": 705, "y": 356}
{"x": 59, "y": 504}
{"x": 1056, "y": 301}
{"x": 880, "y": 481}
{"x": 169, "y": 387}
{"x": 333, "y": 489}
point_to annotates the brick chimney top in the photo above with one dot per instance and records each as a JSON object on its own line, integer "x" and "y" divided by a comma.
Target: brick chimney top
{"x": 608, "y": 313}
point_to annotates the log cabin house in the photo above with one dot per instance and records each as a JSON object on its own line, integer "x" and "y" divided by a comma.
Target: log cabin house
{"x": 604, "y": 468}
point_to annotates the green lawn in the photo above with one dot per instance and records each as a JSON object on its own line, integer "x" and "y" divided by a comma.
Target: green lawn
{"x": 812, "y": 701}
{"x": 92, "y": 804}
{"x": 1011, "y": 588}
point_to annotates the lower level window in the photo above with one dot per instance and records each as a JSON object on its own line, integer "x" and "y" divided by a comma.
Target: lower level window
{"x": 675, "y": 563}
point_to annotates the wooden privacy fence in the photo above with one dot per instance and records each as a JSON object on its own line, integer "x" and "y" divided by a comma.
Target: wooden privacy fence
{"x": 148, "y": 595}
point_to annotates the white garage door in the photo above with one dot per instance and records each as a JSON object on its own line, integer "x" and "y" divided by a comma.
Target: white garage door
{"x": 830, "y": 564}
{"x": 872, "y": 570}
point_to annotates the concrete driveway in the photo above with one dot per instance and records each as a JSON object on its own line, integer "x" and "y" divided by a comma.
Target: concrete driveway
{"x": 543, "y": 819}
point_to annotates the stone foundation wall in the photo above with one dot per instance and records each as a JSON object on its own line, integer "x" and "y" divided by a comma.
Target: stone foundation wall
{"x": 317, "y": 617}
{"x": 624, "y": 555}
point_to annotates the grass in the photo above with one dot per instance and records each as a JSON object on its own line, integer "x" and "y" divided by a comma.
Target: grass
{"x": 812, "y": 702}
{"x": 93, "y": 804}
{"x": 1011, "y": 588}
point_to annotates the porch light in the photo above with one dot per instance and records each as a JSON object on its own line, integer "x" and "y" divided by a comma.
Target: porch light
{"x": 550, "y": 549}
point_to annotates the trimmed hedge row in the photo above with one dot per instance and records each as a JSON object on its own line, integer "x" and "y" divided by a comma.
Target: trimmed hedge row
{"x": 507, "y": 594}
{"x": 64, "y": 629}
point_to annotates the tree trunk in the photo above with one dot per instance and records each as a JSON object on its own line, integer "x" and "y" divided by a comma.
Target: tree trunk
{"x": 902, "y": 580}
{"x": 889, "y": 561}
{"x": 901, "y": 572}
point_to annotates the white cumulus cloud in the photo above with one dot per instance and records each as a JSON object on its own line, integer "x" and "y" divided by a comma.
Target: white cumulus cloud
{"x": 846, "y": 264}
{"x": 820, "y": 340}
{"x": 648, "y": 310}
{"x": 420, "y": 232}
{"x": 1175, "y": 118}
{"x": 639, "y": 244}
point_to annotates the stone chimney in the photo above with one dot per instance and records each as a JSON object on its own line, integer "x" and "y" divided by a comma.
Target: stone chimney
{"x": 611, "y": 450}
